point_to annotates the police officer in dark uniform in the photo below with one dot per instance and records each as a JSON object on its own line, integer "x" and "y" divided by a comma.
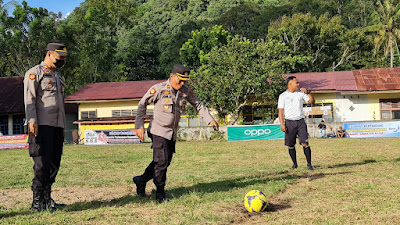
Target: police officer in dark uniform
{"x": 45, "y": 118}
{"x": 170, "y": 99}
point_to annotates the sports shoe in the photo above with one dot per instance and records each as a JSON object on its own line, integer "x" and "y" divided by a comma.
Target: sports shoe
{"x": 310, "y": 167}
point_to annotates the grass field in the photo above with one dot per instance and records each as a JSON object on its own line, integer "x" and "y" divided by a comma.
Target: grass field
{"x": 354, "y": 182}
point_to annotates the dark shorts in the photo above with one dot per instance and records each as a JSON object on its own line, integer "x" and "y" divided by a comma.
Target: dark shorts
{"x": 294, "y": 129}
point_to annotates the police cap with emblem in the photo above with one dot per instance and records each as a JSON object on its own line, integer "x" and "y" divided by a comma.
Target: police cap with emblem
{"x": 57, "y": 47}
{"x": 181, "y": 71}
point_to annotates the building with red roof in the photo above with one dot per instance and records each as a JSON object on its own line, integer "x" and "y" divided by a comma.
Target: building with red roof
{"x": 12, "y": 108}
{"x": 110, "y": 105}
{"x": 341, "y": 96}
{"x": 359, "y": 95}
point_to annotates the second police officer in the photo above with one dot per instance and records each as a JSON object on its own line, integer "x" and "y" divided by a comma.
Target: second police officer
{"x": 170, "y": 99}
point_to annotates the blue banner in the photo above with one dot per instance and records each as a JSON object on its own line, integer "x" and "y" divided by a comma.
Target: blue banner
{"x": 255, "y": 132}
{"x": 370, "y": 130}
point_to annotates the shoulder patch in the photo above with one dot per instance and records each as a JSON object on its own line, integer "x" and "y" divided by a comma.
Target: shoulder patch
{"x": 32, "y": 76}
{"x": 168, "y": 86}
{"x": 152, "y": 91}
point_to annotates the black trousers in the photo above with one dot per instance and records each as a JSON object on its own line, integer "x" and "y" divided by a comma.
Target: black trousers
{"x": 46, "y": 150}
{"x": 296, "y": 128}
{"x": 163, "y": 150}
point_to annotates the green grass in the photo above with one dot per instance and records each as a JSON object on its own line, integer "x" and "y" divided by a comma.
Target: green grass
{"x": 355, "y": 181}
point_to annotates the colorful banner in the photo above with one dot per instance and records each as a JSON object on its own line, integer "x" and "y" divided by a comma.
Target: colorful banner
{"x": 14, "y": 141}
{"x": 105, "y": 137}
{"x": 255, "y": 132}
{"x": 372, "y": 130}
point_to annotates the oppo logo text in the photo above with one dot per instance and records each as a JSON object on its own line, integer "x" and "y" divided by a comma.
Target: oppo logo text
{"x": 257, "y": 132}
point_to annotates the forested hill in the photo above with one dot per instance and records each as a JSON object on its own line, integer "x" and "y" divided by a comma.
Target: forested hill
{"x": 119, "y": 40}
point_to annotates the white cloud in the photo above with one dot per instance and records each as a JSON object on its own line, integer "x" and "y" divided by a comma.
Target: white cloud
{"x": 66, "y": 15}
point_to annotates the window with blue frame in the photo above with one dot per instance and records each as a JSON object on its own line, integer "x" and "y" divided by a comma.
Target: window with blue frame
{"x": 4, "y": 124}
{"x": 18, "y": 124}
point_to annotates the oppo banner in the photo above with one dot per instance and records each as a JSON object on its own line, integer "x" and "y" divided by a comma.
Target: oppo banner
{"x": 255, "y": 132}
{"x": 14, "y": 141}
{"x": 368, "y": 130}
{"x": 105, "y": 137}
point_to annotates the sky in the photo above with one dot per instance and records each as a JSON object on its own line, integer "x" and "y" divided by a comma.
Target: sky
{"x": 63, "y": 6}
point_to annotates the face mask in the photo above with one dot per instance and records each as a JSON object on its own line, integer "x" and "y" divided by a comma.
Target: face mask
{"x": 59, "y": 63}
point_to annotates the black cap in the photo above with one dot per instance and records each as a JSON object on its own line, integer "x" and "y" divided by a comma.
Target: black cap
{"x": 181, "y": 71}
{"x": 57, "y": 47}
{"x": 322, "y": 121}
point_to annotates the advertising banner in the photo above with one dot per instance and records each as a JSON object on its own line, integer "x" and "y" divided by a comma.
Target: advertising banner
{"x": 105, "y": 137}
{"x": 255, "y": 132}
{"x": 369, "y": 130}
{"x": 14, "y": 141}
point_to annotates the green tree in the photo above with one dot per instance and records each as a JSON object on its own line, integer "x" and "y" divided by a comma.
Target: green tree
{"x": 250, "y": 19}
{"x": 196, "y": 49}
{"x": 137, "y": 55}
{"x": 358, "y": 13}
{"x": 92, "y": 33}
{"x": 387, "y": 27}
{"x": 240, "y": 71}
{"x": 321, "y": 39}
{"x": 24, "y": 36}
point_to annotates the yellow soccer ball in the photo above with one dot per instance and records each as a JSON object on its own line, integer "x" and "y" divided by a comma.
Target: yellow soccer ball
{"x": 255, "y": 201}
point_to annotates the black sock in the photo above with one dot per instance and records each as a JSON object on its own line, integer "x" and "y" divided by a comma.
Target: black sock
{"x": 292, "y": 153}
{"x": 307, "y": 153}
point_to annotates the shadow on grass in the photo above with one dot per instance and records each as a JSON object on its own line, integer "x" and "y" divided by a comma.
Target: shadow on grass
{"x": 124, "y": 200}
{"x": 274, "y": 207}
{"x": 366, "y": 161}
{"x": 217, "y": 186}
{"x": 6, "y": 213}
{"x": 226, "y": 185}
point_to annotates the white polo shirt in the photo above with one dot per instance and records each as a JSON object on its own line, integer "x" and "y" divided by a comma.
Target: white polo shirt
{"x": 292, "y": 103}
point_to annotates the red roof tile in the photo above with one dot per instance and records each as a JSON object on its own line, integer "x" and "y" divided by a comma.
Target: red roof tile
{"x": 113, "y": 90}
{"x": 382, "y": 79}
{"x": 378, "y": 79}
{"x": 324, "y": 81}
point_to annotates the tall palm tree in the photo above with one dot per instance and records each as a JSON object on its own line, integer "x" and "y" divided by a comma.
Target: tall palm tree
{"x": 388, "y": 28}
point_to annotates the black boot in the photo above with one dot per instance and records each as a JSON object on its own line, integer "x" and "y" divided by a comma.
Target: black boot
{"x": 160, "y": 195}
{"x": 140, "y": 186}
{"x": 37, "y": 202}
{"x": 307, "y": 153}
{"x": 292, "y": 153}
{"x": 49, "y": 203}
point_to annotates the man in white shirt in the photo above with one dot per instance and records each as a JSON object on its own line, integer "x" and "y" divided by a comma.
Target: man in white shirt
{"x": 291, "y": 117}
